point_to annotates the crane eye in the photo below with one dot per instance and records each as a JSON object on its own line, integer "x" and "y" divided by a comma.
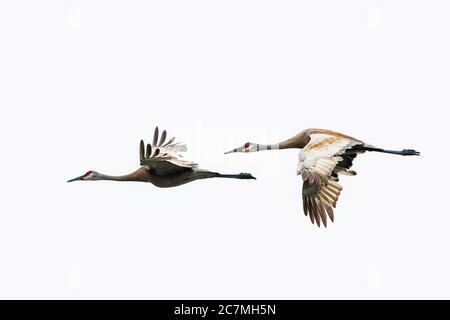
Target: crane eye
{"x": 87, "y": 173}
{"x": 247, "y": 144}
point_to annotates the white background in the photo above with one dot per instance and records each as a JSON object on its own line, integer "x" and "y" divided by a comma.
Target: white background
{"x": 81, "y": 82}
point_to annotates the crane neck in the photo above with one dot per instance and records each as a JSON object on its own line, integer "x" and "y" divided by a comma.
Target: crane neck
{"x": 287, "y": 144}
{"x": 262, "y": 147}
{"x": 297, "y": 142}
{"x": 127, "y": 177}
{"x": 134, "y": 176}
{"x": 274, "y": 146}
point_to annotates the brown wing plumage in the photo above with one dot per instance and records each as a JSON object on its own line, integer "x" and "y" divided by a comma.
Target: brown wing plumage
{"x": 326, "y": 155}
{"x": 321, "y": 170}
{"x": 319, "y": 199}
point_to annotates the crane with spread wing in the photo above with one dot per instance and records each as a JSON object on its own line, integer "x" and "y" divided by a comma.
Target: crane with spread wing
{"x": 161, "y": 165}
{"x": 323, "y": 156}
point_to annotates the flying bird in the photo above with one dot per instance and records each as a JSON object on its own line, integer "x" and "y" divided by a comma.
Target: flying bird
{"x": 161, "y": 165}
{"x": 323, "y": 156}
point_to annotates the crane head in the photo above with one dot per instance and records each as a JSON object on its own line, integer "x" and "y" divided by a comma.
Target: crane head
{"x": 90, "y": 175}
{"x": 247, "y": 147}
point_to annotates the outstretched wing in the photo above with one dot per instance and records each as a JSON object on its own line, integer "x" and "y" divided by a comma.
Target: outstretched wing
{"x": 162, "y": 157}
{"x": 320, "y": 161}
{"x": 171, "y": 148}
{"x": 319, "y": 199}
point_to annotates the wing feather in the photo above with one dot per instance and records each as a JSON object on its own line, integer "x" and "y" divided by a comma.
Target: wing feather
{"x": 155, "y": 137}
{"x": 169, "y": 142}
{"x": 305, "y": 206}
{"x": 141, "y": 150}
{"x": 148, "y": 153}
{"x": 315, "y": 212}
{"x": 322, "y": 213}
{"x": 329, "y": 210}
{"x": 163, "y": 138}
{"x": 318, "y": 201}
{"x": 310, "y": 211}
{"x": 162, "y": 157}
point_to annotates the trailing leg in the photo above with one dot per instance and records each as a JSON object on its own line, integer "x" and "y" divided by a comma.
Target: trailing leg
{"x": 404, "y": 152}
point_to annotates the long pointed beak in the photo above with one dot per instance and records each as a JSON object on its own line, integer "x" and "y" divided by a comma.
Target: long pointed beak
{"x": 234, "y": 150}
{"x": 75, "y": 179}
{"x": 231, "y": 151}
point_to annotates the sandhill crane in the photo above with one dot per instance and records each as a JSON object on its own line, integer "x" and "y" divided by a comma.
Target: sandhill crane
{"x": 323, "y": 155}
{"x": 161, "y": 165}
